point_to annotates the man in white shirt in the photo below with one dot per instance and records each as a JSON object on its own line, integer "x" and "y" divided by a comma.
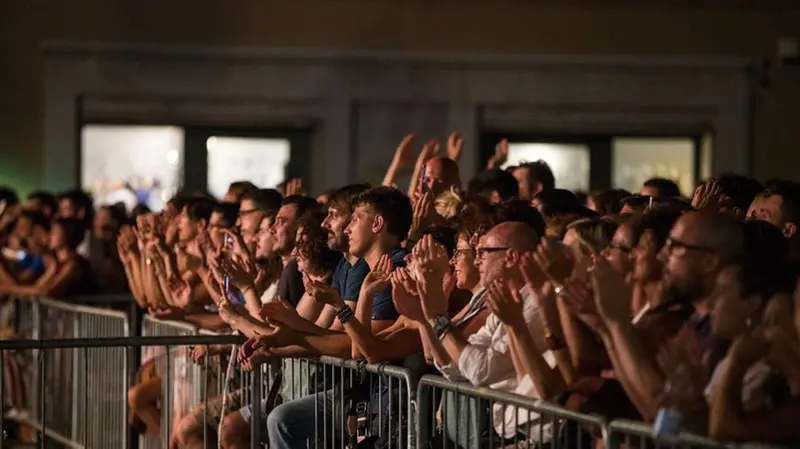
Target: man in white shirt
{"x": 484, "y": 358}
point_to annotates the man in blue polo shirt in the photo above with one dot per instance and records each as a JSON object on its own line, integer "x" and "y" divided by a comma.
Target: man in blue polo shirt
{"x": 380, "y": 221}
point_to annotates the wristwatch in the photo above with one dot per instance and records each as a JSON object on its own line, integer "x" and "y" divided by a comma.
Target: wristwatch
{"x": 441, "y": 325}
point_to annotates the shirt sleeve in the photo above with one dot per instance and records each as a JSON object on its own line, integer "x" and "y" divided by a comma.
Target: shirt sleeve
{"x": 355, "y": 278}
{"x": 485, "y": 360}
{"x": 290, "y": 286}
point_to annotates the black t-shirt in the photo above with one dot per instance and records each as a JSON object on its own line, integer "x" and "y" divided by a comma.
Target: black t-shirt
{"x": 290, "y": 285}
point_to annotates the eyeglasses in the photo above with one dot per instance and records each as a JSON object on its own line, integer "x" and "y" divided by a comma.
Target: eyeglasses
{"x": 672, "y": 244}
{"x": 480, "y": 252}
{"x": 460, "y": 253}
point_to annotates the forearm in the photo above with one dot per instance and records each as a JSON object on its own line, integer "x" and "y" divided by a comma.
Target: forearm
{"x": 398, "y": 344}
{"x": 437, "y": 350}
{"x": 725, "y": 415}
{"x": 133, "y": 283}
{"x": 635, "y": 368}
{"x": 548, "y": 382}
{"x": 334, "y": 345}
{"x": 293, "y": 351}
{"x": 207, "y": 321}
{"x": 415, "y": 176}
{"x": 391, "y": 173}
{"x": 252, "y": 302}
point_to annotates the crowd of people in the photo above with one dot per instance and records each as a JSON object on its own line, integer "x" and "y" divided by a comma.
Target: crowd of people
{"x": 643, "y": 305}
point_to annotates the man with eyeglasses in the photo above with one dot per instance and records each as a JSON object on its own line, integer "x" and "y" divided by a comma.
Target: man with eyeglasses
{"x": 484, "y": 358}
{"x": 254, "y": 207}
{"x": 699, "y": 246}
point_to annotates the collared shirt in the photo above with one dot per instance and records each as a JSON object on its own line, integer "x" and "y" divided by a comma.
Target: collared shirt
{"x": 486, "y": 361}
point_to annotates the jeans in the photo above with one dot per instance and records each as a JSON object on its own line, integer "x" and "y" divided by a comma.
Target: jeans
{"x": 305, "y": 422}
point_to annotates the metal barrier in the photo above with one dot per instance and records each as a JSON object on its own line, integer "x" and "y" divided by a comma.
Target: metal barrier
{"x": 475, "y": 417}
{"x": 62, "y": 377}
{"x": 77, "y": 376}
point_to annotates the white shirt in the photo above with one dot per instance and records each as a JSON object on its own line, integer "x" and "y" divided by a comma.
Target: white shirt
{"x": 486, "y": 361}
{"x": 753, "y": 398}
{"x": 270, "y": 293}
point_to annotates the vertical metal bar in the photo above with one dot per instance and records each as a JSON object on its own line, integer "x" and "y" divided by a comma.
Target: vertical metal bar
{"x": 2, "y": 397}
{"x": 255, "y": 397}
{"x": 43, "y": 371}
{"x": 166, "y": 413}
{"x": 85, "y": 396}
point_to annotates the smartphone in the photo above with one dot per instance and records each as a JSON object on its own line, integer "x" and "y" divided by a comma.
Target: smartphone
{"x": 227, "y": 243}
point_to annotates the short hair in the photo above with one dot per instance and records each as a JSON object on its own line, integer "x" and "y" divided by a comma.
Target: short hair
{"x": 562, "y": 202}
{"x": 37, "y": 219}
{"x": 264, "y": 199}
{"x": 443, "y": 235}
{"x": 741, "y": 190}
{"x": 199, "y": 208}
{"x": 320, "y": 256}
{"x": 666, "y": 188}
{"x": 764, "y": 261}
{"x": 45, "y": 198}
{"x": 9, "y": 195}
{"x": 539, "y": 172}
{"x": 74, "y": 231}
{"x": 344, "y": 196}
{"x": 659, "y": 222}
{"x": 229, "y": 212}
{"x": 240, "y": 188}
{"x": 609, "y": 201}
{"x": 790, "y": 193}
{"x": 521, "y": 211}
{"x": 303, "y": 203}
{"x": 494, "y": 180}
{"x": 391, "y": 204}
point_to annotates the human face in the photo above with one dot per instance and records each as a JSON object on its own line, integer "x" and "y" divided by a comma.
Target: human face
{"x": 491, "y": 256}
{"x": 685, "y": 261}
{"x": 300, "y": 251}
{"x": 434, "y": 178}
{"x": 284, "y": 229}
{"x": 521, "y": 175}
{"x": 67, "y": 209}
{"x": 187, "y": 229}
{"x": 103, "y": 222}
{"x": 334, "y": 225}
{"x": 58, "y": 238}
{"x": 619, "y": 252}
{"x": 360, "y": 232}
{"x": 731, "y": 312}
{"x": 463, "y": 263}
{"x": 23, "y": 228}
{"x": 249, "y": 219}
{"x": 265, "y": 243}
{"x": 215, "y": 227}
{"x": 769, "y": 209}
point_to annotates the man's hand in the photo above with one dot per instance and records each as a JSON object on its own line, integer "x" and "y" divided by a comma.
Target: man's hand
{"x": 279, "y": 337}
{"x": 455, "y": 144}
{"x": 168, "y": 314}
{"x": 406, "y": 296}
{"x": 506, "y": 305}
{"x": 500, "y": 155}
{"x": 612, "y": 294}
{"x": 280, "y": 311}
{"x": 379, "y": 277}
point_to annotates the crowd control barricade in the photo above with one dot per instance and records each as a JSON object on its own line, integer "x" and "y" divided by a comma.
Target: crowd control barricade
{"x": 473, "y": 417}
{"x": 53, "y": 390}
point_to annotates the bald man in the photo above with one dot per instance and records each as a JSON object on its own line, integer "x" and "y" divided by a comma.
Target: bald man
{"x": 440, "y": 175}
{"x": 699, "y": 246}
{"x": 484, "y": 358}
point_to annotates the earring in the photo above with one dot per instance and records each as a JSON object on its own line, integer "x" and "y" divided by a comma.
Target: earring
{"x": 748, "y": 322}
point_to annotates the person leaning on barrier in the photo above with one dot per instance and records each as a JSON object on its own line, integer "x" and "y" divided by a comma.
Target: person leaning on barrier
{"x": 485, "y": 357}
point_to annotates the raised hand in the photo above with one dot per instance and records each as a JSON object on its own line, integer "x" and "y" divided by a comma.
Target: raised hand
{"x": 554, "y": 260}
{"x": 707, "y": 196}
{"x": 181, "y": 292}
{"x": 454, "y": 146}
{"x": 431, "y": 257}
{"x": 404, "y": 153}
{"x": 405, "y": 296}
{"x": 322, "y": 292}
{"x": 295, "y": 187}
{"x": 500, "y": 155}
{"x": 531, "y": 272}
{"x": 280, "y": 311}
{"x": 241, "y": 271}
{"x": 379, "y": 277}
{"x": 505, "y": 304}
{"x": 612, "y": 294}
{"x": 422, "y": 214}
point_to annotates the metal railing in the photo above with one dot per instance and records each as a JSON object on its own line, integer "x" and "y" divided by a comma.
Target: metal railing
{"x": 75, "y": 366}
{"x": 476, "y": 417}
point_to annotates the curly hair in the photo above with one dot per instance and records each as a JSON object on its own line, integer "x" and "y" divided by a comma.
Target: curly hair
{"x": 315, "y": 248}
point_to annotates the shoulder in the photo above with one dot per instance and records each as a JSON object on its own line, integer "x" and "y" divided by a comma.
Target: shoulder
{"x": 398, "y": 256}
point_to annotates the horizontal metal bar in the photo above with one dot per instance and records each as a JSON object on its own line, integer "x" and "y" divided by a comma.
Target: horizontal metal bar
{"x": 49, "y": 433}
{"x": 381, "y": 368}
{"x": 70, "y": 343}
{"x": 89, "y": 310}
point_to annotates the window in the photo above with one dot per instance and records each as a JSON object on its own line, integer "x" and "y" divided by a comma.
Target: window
{"x": 635, "y": 160}
{"x": 569, "y": 162}
{"x": 261, "y": 161}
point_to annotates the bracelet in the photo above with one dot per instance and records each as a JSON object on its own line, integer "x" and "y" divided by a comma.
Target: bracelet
{"x": 345, "y": 314}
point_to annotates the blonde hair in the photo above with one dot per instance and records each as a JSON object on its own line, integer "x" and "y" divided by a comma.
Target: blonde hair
{"x": 447, "y": 204}
{"x": 594, "y": 233}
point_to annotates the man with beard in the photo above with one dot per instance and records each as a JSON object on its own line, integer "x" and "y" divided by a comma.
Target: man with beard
{"x": 699, "y": 246}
